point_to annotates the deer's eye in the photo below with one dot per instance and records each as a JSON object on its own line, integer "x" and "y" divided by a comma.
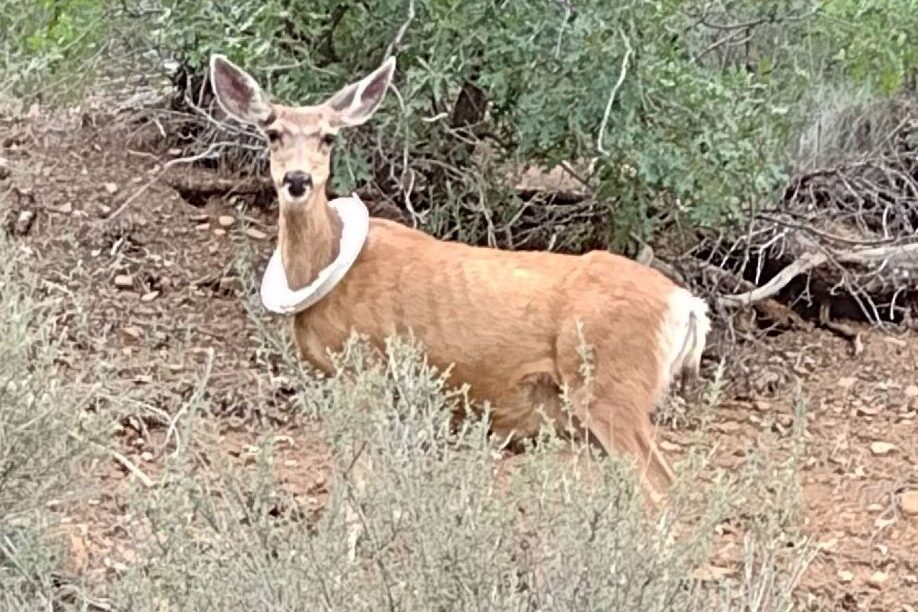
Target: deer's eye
{"x": 273, "y": 136}
{"x": 328, "y": 140}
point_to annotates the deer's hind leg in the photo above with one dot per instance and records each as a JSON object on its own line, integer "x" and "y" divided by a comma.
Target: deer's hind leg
{"x": 615, "y": 400}
{"x": 532, "y": 402}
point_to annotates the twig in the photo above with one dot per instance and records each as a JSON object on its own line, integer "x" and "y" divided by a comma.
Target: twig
{"x": 196, "y": 396}
{"x": 568, "y": 10}
{"x": 811, "y": 260}
{"x": 612, "y": 94}
{"x": 127, "y": 463}
{"x": 132, "y": 468}
{"x": 169, "y": 164}
{"x": 725, "y": 40}
{"x": 393, "y": 46}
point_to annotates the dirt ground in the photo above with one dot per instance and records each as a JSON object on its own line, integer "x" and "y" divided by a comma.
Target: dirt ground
{"x": 158, "y": 291}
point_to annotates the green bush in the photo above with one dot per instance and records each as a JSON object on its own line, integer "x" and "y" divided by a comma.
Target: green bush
{"x": 51, "y": 49}
{"x": 700, "y": 128}
{"x": 872, "y": 42}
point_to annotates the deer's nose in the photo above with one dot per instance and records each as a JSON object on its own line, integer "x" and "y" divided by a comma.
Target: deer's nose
{"x": 297, "y": 182}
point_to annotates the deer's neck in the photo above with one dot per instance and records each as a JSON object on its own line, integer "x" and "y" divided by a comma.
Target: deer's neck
{"x": 309, "y": 238}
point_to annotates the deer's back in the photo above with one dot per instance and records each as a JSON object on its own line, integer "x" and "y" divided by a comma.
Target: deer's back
{"x": 495, "y": 315}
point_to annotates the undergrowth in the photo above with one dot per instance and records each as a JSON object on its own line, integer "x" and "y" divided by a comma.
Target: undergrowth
{"x": 429, "y": 512}
{"x": 446, "y": 521}
{"x": 42, "y": 440}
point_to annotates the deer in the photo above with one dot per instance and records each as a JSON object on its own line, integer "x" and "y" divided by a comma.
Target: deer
{"x": 508, "y": 325}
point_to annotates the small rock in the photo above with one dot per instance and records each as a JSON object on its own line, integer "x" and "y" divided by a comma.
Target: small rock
{"x": 847, "y": 382}
{"x": 883, "y": 523}
{"x": 909, "y": 502}
{"x": 710, "y": 573}
{"x": 255, "y": 234}
{"x": 202, "y": 227}
{"x": 911, "y": 391}
{"x": 111, "y": 188}
{"x": 669, "y": 446}
{"x": 829, "y": 544}
{"x": 877, "y": 579}
{"x": 230, "y": 284}
{"x": 863, "y": 410}
{"x": 875, "y": 508}
{"x": 895, "y": 342}
{"x": 124, "y": 281}
{"x": 132, "y": 333}
{"x": 149, "y": 296}
{"x": 727, "y": 426}
{"x": 882, "y": 448}
{"x": 146, "y": 456}
{"x": 219, "y": 232}
{"x": 66, "y": 208}
{"x": 24, "y": 222}
{"x": 199, "y": 217}
{"x": 226, "y": 220}
{"x": 845, "y": 576}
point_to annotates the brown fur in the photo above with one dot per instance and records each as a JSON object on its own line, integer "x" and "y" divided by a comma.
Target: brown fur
{"x": 508, "y": 323}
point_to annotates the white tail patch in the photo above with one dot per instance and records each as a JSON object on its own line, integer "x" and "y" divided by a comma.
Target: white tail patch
{"x": 683, "y": 335}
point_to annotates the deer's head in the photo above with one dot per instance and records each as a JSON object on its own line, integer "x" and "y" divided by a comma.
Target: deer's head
{"x": 300, "y": 138}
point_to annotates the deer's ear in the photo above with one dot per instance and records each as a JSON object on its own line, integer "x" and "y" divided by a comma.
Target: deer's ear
{"x": 238, "y": 93}
{"x": 357, "y": 102}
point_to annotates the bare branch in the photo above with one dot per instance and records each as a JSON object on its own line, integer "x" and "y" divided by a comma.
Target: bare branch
{"x": 612, "y": 94}
{"x": 809, "y": 261}
{"x": 397, "y": 41}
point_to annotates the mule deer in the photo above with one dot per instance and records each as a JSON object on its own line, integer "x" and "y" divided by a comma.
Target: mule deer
{"x": 511, "y": 324}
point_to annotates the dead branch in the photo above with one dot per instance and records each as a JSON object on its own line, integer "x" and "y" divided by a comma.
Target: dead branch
{"x": 612, "y": 94}
{"x": 208, "y": 183}
{"x": 811, "y": 260}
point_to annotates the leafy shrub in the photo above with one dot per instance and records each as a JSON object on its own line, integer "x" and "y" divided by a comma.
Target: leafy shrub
{"x": 872, "y": 41}
{"x": 698, "y": 102}
{"x": 51, "y": 49}
{"x": 699, "y": 128}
